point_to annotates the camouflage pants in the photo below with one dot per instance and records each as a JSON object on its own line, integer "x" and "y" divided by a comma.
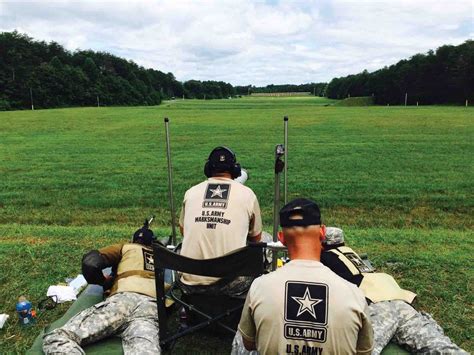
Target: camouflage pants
{"x": 238, "y": 347}
{"x": 416, "y": 331}
{"x": 237, "y": 287}
{"x": 131, "y": 315}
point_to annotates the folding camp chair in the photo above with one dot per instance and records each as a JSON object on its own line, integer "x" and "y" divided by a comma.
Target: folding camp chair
{"x": 246, "y": 261}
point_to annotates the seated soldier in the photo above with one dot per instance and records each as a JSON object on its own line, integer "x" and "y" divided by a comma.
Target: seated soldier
{"x": 130, "y": 309}
{"x": 303, "y": 307}
{"x": 218, "y": 216}
{"x": 390, "y": 308}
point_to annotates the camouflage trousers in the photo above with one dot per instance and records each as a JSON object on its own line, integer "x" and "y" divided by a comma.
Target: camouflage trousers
{"x": 131, "y": 315}
{"x": 236, "y": 287}
{"x": 416, "y": 331}
{"x": 238, "y": 347}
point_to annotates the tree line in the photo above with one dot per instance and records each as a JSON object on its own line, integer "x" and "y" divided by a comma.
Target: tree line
{"x": 47, "y": 75}
{"x": 317, "y": 89}
{"x": 444, "y": 76}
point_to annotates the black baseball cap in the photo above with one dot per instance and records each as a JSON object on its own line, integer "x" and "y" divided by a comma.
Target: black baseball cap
{"x": 307, "y": 209}
{"x": 222, "y": 159}
{"x": 143, "y": 236}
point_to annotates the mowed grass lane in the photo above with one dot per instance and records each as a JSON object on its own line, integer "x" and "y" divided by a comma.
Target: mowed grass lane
{"x": 395, "y": 166}
{"x": 397, "y": 179}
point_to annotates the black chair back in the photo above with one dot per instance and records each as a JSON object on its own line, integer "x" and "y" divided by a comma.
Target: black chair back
{"x": 246, "y": 261}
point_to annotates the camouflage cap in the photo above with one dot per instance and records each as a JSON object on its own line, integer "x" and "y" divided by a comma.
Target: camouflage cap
{"x": 334, "y": 236}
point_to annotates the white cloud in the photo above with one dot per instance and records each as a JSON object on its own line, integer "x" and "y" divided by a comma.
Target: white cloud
{"x": 277, "y": 21}
{"x": 245, "y": 41}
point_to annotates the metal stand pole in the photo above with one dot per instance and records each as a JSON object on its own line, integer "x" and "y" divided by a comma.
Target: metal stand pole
{"x": 276, "y": 207}
{"x": 279, "y": 165}
{"x": 285, "y": 120}
{"x": 31, "y": 98}
{"x": 170, "y": 182}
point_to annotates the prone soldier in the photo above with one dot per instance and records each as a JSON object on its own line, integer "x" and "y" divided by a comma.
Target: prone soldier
{"x": 130, "y": 309}
{"x": 392, "y": 315}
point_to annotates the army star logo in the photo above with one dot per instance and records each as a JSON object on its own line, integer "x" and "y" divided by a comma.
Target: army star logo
{"x": 218, "y": 191}
{"x": 216, "y": 195}
{"x": 150, "y": 259}
{"x": 307, "y": 303}
{"x": 358, "y": 262}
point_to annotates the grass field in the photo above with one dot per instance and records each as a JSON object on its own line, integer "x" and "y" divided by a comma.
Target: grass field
{"x": 398, "y": 180}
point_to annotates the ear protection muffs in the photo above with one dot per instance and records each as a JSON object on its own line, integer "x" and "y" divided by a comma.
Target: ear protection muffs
{"x": 207, "y": 169}
{"x": 236, "y": 171}
{"x": 233, "y": 167}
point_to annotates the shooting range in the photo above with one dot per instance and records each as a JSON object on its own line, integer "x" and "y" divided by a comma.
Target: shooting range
{"x": 106, "y": 125}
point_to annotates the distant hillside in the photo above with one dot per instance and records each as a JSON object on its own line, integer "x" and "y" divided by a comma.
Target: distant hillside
{"x": 442, "y": 77}
{"x": 51, "y": 76}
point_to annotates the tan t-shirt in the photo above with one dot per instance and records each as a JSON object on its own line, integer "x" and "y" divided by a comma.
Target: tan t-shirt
{"x": 218, "y": 215}
{"x": 305, "y": 308}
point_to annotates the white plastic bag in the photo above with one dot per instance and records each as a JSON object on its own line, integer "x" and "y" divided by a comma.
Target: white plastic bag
{"x": 63, "y": 293}
{"x": 3, "y": 319}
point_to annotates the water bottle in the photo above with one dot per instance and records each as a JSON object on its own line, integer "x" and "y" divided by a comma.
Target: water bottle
{"x": 26, "y": 315}
{"x": 183, "y": 318}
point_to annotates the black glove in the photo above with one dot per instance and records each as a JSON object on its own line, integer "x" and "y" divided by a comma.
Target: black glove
{"x": 92, "y": 264}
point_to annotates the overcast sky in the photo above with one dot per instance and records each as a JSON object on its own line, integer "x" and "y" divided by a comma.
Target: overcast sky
{"x": 248, "y": 42}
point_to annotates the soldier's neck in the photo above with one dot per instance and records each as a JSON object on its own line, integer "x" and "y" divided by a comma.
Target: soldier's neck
{"x": 222, "y": 175}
